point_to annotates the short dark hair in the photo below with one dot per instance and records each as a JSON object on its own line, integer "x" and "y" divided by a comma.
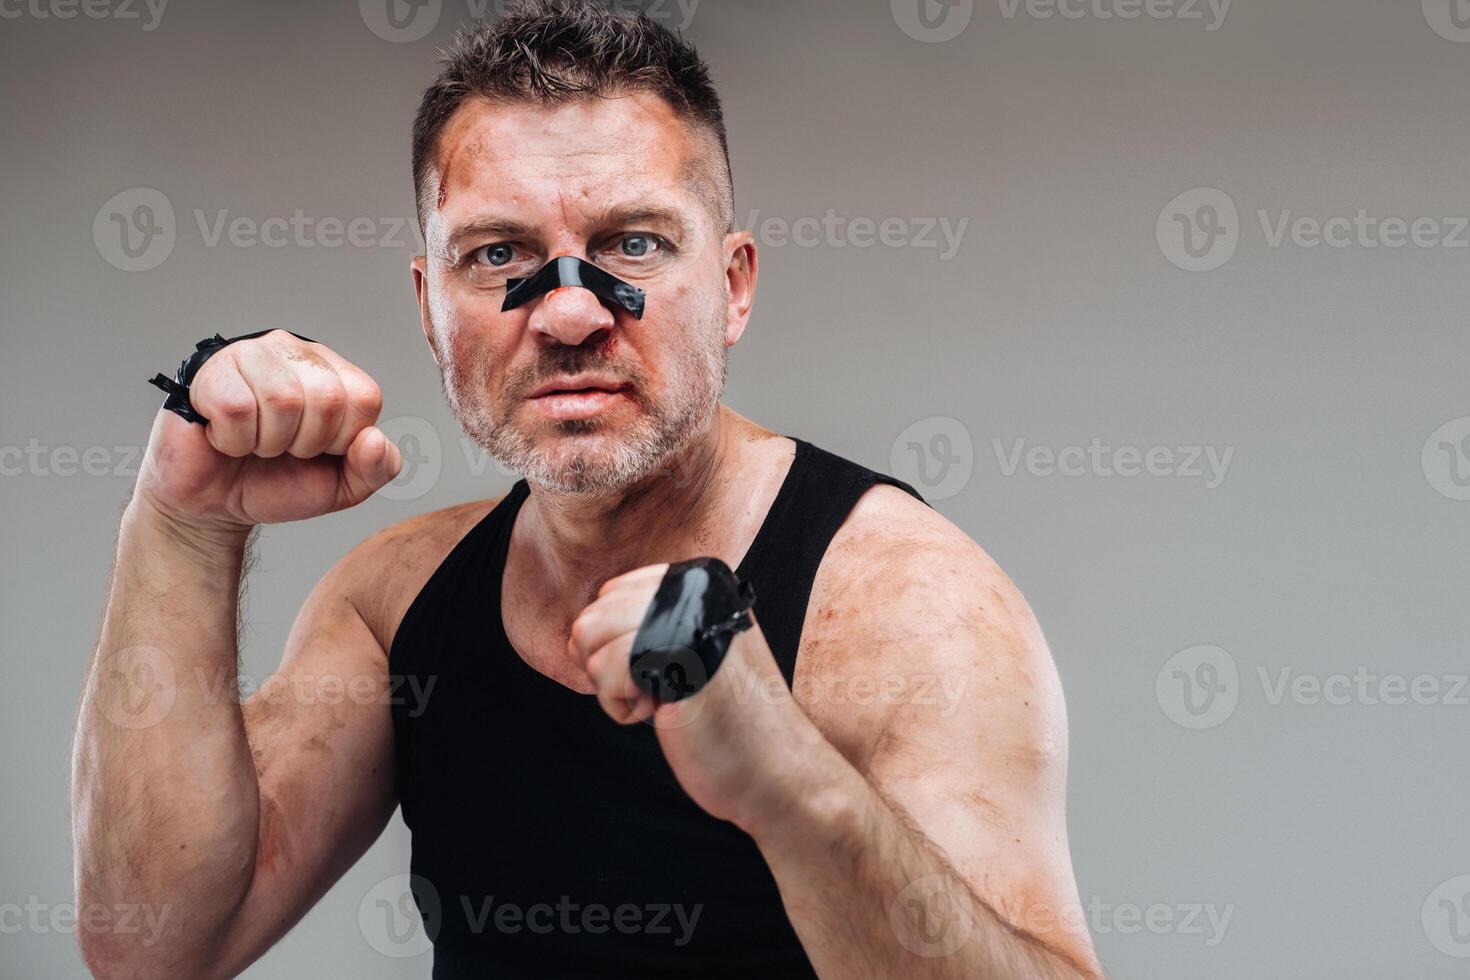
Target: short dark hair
{"x": 554, "y": 52}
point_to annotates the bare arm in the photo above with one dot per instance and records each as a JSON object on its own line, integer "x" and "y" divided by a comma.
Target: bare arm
{"x": 908, "y": 791}
{"x": 906, "y": 910}
{"x": 223, "y": 823}
{"x": 226, "y": 821}
{"x": 938, "y": 810}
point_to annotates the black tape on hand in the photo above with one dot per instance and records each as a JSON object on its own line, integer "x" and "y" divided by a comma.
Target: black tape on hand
{"x": 177, "y": 387}
{"x": 699, "y": 607}
{"x": 568, "y": 270}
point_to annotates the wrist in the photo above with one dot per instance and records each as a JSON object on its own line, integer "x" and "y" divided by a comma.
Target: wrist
{"x": 813, "y": 794}
{"x": 214, "y": 542}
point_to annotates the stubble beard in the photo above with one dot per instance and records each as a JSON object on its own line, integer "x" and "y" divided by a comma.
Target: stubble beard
{"x": 594, "y": 456}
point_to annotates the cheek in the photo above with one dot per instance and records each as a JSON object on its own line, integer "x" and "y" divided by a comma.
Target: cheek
{"x": 444, "y": 312}
{"x": 682, "y": 314}
{"x": 479, "y": 357}
{"x": 683, "y": 296}
{"x": 467, "y": 345}
{"x": 464, "y": 322}
{"x": 674, "y": 338}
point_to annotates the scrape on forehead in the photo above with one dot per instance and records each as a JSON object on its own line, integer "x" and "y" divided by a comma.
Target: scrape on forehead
{"x": 615, "y": 137}
{"x": 581, "y": 148}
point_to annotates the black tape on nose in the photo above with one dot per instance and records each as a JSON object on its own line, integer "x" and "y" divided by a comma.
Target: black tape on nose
{"x": 568, "y": 270}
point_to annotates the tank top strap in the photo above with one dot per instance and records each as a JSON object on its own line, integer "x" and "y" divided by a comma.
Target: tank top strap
{"x": 819, "y": 492}
{"x": 463, "y": 580}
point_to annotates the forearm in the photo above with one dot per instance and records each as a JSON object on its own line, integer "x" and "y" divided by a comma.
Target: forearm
{"x": 165, "y": 804}
{"x": 903, "y": 910}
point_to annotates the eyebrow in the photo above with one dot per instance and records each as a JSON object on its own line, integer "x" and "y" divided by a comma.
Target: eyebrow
{"x": 617, "y": 216}
{"x": 485, "y": 225}
{"x": 639, "y": 214}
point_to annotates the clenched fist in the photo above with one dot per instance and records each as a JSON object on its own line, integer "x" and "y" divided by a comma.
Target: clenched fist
{"x": 290, "y": 436}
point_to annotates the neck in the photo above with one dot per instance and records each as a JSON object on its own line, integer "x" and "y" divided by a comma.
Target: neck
{"x": 581, "y": 541}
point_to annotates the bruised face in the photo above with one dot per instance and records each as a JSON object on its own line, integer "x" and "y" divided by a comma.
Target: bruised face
{"x": 578, "y": 396}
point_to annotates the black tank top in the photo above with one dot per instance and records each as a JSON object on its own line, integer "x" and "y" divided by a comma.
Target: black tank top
{"x": 549, "y": 841}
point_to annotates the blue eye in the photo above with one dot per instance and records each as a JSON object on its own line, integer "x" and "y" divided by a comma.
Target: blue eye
{"x": 637, "y": 246}
{"x": 498, "y": 254}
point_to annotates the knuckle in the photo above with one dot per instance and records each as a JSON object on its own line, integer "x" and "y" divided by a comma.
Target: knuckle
{"x": 367, "y": 397}
{"x": 329, "y": 398}
{"x": 285, "y": 399}
{"x": 236, "y": 408}
{"x": 244, "y": 348}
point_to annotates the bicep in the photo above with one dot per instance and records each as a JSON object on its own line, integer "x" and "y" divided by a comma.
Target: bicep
{"x": 982, "y": 773}
{"x": 974, "y": 750}
{"x": 321, "y": 737}
{"x": 984, "y": 777}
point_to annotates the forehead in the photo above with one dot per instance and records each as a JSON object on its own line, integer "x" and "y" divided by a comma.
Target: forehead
{"x": 534, "y": 163}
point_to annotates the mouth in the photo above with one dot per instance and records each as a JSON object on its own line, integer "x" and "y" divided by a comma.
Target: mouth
{"x": 577, "y": 386}
{"x": 577, "y": 398}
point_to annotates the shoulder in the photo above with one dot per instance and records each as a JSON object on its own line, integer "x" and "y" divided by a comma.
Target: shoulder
{"x": 905, "y": 602}
{"x": 382, "y": 575}
{"x": 896, "y": 558}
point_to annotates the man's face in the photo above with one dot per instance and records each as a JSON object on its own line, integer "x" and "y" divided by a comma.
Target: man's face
{"x": 607, "y": 180}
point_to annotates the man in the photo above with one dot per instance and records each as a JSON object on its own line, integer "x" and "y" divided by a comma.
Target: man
{"x": 870, "y": 784}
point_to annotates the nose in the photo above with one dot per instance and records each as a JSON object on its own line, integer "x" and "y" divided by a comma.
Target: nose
{"x": 570, "y": 314}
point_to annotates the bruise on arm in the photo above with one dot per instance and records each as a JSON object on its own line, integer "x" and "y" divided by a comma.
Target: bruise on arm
{"x": 924, "y": 666}
{"x": 320, "y": 727}
{"x": 321, "y": 740}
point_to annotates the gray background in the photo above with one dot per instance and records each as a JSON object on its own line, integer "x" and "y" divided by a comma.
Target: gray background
{"x": 1330, "y": 833}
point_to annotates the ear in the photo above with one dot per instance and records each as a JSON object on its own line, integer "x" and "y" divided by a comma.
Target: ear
{"x": 420, "y": 269}
{"x": 740, "y": 272}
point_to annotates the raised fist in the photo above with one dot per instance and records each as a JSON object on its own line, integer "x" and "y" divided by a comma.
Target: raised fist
{"x": 290, "y": 436}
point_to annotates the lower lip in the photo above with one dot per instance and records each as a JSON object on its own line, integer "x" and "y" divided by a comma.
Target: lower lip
{"x": 575, "y": 404}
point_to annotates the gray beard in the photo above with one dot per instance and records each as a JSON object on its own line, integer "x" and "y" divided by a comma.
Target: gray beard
{"x": 589, "y": 459}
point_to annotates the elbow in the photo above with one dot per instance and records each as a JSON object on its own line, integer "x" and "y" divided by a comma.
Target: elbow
{"x": 179, "y": 921}
{"x": 1087, "y": 966}
{"x": 108, "y": 958}
{"x": 134, "y": 940}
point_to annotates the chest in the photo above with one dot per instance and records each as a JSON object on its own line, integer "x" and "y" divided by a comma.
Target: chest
{"x": 538, "y": 629}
